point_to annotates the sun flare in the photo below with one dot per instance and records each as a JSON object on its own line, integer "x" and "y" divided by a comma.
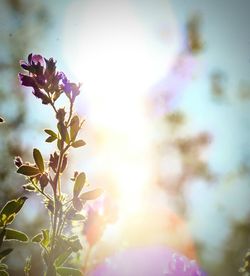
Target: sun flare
{"x": 118, "y": 62}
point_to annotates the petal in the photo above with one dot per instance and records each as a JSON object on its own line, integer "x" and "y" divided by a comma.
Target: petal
{"x": 24, "y": 65}
{"x": 30, "y": 58}
{"x": 40, "y": 95}
{"x": 27, "y": 81}
{"x": 37, "y": 59}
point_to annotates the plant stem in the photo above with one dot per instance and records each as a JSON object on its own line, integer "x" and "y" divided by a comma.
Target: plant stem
{"x": 39, "y": 190}
{"x": 60, "y": 228}
{"x": 57, "y": 220}
{"x": 86, "y": 260}
{"x": 70, "y": 113}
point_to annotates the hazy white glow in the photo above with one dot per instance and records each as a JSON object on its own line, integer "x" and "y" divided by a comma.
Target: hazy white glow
{"x": 110, "y": 49}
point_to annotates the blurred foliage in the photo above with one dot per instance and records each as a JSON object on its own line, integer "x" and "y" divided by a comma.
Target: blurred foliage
{"x": 7, "y": 215}
{"x": 186, "y": 150}
{"x": 21, "y": 21}
{"x": 218, "y": 85}
{"x": 195, "y": 43}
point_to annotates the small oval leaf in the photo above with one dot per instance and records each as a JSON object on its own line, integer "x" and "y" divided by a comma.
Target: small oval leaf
{"x": 38, "y": 159}
{"x": 50, "y": 139}
{"x": 59, "y": 144}
{"x": 68, "y": 271}
{"x": 91, "y": 194}
{"x": 12, "y": 234}
{"x": 28, "y": 170}
{"x": 51, "y": 133}
{"x": 29, "y": 187}
{"x": 5, "y": 252}
{"x": 45, "y": 240}
{"x": 3, "y": 266}
{"x": 78, "y": 144}
{"x": 37, "y": 238}
{"x": 77, "y": 204}
{"x": 63, "y": 257}
{"x": 63, "y": 131}
{"x": 79, "y": 183}
{"x": 74, "y": 127}
{"x": 2, "y": 234}
{"x": 3, "y": 272}
{"x": 10, "y": 209}
{"x": 78, "y": 217}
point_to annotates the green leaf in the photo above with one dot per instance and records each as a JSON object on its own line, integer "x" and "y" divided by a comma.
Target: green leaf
{"x": 42, "y": 238}
{"x": 74, "y": 127}
{"x": 70, "y": 213}
{"x": 50, "y": 139}
{"x": 5, "y": 252}
{"x": 38, "y": 159}
{"x": 28, "y": 170}
{"x": 91, "y": 194}
{"x": 79, "y": 183}
{"x": 4, "y": 273}
{"x": 75, "y": 243}
{"x": 68, "y": 271}
{"x": 49, "y": 204}
{"x": 37, "y": 238}
{"x": 10, "y": 219}
{"x": 63, "y": 257}
{"x": 2, "y": 234}
{"x": 10, "y": 209}
{"x": 3, "y": 266}
{"x": 12, "y": 234}
{"x": 78, "y": 144}
{"x": 45, "y": 240}
{"x": 59, "y": 144}
{"x": 63, "y": 131}
{"x": 78, "y": 217}
{"x": 29, "y": 187}
{"x": 77, "y": 204}
{"x": 62, "y": 245}
{"x": 51, "y": 133}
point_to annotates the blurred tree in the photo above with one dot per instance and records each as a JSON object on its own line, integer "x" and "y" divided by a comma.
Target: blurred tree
{"x": 20, "y": 22}
{"x": 181, "y": 158}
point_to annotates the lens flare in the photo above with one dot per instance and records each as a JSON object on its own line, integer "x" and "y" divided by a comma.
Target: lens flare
{"x": 119, "y": 57}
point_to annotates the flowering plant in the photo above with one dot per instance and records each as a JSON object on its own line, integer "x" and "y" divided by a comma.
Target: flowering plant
{"x": 44, "y": 177}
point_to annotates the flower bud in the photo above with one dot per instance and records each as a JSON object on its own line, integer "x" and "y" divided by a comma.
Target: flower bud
{"x": 60, "y": 114}
{"x": 18, "y": 161}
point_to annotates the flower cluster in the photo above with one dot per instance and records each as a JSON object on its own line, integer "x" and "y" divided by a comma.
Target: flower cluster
{"x": 56, "y": 241}
{"x": 47, "y": 83}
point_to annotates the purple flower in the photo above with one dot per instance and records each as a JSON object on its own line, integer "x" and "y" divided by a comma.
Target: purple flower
{"x": 147, "y": 261}
{"x": 50, "y": 67}
{"x": 27, "y": 81}
{"x": 35, "y": 64}
{"x": 71, "y": 89}
{"x": 40, "y": 95}
{"x": 47, "y": 83}
{"x": 32, "y": 82}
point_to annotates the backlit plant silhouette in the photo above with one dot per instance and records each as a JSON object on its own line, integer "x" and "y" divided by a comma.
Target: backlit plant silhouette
{"x": 44, "y": 177}
{"x": 7, "y": 216}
